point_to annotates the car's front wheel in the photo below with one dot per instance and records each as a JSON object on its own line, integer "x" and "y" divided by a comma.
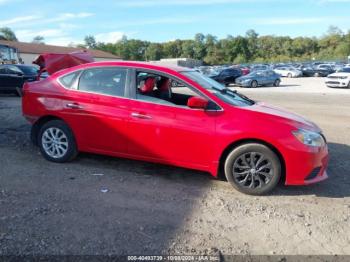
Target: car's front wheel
{"x": 253, "y": 169}
{"x": 56, "y": 142}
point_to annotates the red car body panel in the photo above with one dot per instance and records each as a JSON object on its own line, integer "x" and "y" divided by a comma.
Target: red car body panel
{"x": 171, "y": 135}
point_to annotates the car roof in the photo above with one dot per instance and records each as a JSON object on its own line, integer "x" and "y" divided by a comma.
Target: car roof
{"x": 149, "y": 65}
{"x": 133, "y": 64}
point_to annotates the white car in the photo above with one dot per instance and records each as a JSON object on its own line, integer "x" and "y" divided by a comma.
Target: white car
{"x": 340, "y": 79}
{"x": 288, "y": 72}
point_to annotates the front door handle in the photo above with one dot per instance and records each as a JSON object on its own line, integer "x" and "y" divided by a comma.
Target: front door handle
{"x": 142, "y": 116}
{"x": 74, "y": 106}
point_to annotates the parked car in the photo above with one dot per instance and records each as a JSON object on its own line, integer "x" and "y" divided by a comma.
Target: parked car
{"x": 102, "y": 108}
{"x": 323, "y": 70}
{"x": 245, "y": 70}
{"x": 259, "y": 68}
{"x": 259, "y": 78}
{"x": 227, "y": 76}
{"x": 340, "y": 79}
{"x": 13, "y": 76}
{"x": 288, "y": 72}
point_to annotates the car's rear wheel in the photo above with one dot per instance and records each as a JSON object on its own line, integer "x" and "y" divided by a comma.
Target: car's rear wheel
{"x": 277, "y": 82}
{"x": 254, "y": 84}
{"x": 253, "y": 169}
{"x": 349, "y": 84}
{"x": 56, "y": 142}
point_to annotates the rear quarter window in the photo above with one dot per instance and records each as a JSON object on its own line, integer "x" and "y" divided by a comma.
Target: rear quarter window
{"x": 69, "y": 80}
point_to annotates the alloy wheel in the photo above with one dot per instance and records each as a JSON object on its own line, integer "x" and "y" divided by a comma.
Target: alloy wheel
{"x": 54, "y": 142}
{"x": 252, "y": 170}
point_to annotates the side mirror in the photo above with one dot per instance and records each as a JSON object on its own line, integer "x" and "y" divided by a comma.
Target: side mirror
{"x": 197, "y": 102}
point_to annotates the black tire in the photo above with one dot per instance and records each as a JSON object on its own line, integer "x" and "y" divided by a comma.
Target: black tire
{"x": 349, "y": 85}
{"x": 254, "y": 84}
{"x": 71, "y": 151}
{"x": 262, "y": 182}
{"x": 289, "y": 75}
{"x": 277, "y": 83}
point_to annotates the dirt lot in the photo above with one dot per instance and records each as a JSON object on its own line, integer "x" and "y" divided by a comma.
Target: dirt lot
{"x": 48, "y": 208}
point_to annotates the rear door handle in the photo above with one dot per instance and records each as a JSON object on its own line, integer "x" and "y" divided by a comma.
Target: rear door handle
{"x": 74, "y": 106}
{"x": 142, "y": 116}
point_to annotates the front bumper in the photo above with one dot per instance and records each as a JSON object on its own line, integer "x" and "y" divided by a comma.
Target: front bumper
{"x": 307, "y": 167}
{"x": 337, "y": 83}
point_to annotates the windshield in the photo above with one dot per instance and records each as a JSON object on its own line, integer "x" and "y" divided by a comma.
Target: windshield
{"x": 220, "y": 91}
{"x": 345, "y": 70}
{"x": 28, "y": 70}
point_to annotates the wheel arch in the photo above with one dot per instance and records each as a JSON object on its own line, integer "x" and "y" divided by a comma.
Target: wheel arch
{"x": 38, "y": 124}
{"x": 233, "y": 145}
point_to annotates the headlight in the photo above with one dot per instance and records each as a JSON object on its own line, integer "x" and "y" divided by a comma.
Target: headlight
{"x": 309, "y": 138}
{"x": 343, "y": 77}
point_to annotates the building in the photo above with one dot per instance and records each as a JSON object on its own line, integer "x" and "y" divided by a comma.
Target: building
{"x": 29, "y": 51}
{"x": 185, "y": 62}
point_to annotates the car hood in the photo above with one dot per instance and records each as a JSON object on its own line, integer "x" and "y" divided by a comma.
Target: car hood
{"x": 284, "y": 115}
{"x": 340, "y": 74}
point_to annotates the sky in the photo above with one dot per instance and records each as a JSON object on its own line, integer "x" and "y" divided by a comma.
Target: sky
{"x": 64, "y": 22}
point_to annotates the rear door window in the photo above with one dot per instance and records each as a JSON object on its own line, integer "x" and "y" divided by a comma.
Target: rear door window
{"x": 106, "y": 81}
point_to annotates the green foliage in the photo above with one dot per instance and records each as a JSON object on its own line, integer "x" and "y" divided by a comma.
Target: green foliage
{"x": 38, "y": 40}
{"x": 90, "y": 41}
{"x": 7, "y": 34}
{"x": 335, "y": 44}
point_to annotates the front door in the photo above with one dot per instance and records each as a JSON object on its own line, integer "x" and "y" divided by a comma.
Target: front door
{"x": 163, "y": 128}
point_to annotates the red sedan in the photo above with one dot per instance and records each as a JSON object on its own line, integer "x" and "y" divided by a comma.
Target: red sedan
{"x": 133, "y": 110}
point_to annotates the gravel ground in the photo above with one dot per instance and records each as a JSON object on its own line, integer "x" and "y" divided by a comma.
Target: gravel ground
{"x": 103, "y": 205}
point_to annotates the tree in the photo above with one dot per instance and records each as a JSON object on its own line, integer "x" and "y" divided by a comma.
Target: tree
{"x": 252, "y": 38}
{"x": 172, "y": 49}
{"x": 153, "y": 52}
{"x": 188, "y": 47}
{"x": 251, "y": 47}
{"x": 7, "y": 34}
{"x": 90, "y": 42}
{"x": 199, "y": 47}
{"x": 38, "y": 40}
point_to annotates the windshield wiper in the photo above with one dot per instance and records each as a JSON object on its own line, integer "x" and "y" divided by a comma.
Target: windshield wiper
{"x": 235, "y": 93}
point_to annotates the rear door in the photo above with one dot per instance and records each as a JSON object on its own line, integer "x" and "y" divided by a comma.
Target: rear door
{"x": 271, "y": 77}
{"x": 97, "y": 109}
